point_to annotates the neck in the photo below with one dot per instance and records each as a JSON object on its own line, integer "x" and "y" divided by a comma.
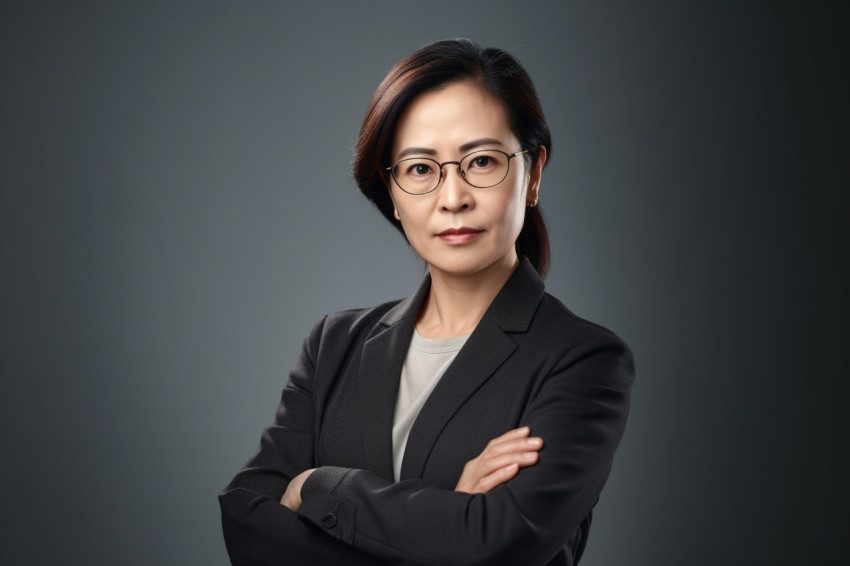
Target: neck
{"x": 456, "y": 303}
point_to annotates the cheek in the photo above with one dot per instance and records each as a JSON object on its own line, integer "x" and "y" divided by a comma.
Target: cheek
{"x": 514, "y": 220}
{"x": 514, "y": 212}
{"x": 413, "y": 217}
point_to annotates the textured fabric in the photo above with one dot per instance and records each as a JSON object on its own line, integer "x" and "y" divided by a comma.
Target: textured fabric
{"x": 530, "y": 361}
{"x": 423, "y": 367}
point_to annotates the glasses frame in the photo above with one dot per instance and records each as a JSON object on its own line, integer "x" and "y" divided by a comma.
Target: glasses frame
{"x": 461, "y": 172}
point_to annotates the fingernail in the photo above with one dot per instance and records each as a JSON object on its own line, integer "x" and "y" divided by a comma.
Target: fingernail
{"x": 529, "y": 455}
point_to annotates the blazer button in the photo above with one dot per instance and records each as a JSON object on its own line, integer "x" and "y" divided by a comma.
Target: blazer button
{"x": 329, "y": 521}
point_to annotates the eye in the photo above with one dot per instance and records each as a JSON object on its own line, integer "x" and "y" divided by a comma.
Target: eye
{"x": 419, "y": 169}
{"x": 415, "y": 169}
{"x": 481, "y": 161}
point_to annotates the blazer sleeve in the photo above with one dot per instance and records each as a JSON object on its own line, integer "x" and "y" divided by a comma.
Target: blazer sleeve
{"x": 580, "y": 411}
{"x": 258, "y": 530}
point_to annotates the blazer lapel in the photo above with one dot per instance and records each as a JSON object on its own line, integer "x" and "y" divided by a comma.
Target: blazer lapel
{"x": 484, "y": 352}
{"x": 380, "y": 370}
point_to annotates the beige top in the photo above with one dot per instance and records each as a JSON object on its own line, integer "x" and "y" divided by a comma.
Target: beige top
{"x": 426, "y": 362}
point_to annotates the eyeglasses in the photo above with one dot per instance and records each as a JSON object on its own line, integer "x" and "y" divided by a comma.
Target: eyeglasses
{"x": 481, "y": 169}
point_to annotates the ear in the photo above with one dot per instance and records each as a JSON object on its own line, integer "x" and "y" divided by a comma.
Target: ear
{"x": 387, "y": 183}
{"x": 392, "y": 200}
{"x": 534, "y": 177}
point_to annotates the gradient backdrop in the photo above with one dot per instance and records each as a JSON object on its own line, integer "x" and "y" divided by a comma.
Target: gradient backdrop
{"x": 177, "y": 211}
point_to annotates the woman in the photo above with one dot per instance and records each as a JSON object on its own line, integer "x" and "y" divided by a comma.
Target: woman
{"x": 476, "y": 421}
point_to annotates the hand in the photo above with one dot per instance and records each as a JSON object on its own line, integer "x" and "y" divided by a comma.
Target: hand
{"x": 292, "y": 496}
{"x": 500, "y": 461}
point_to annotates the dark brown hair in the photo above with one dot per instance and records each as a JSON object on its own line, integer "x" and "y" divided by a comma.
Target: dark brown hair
{"x": 432, "y": 67}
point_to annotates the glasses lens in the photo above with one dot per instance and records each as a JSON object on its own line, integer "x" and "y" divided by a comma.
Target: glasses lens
{"x": 417, "y": 175}
{"x": 485, "y": 168}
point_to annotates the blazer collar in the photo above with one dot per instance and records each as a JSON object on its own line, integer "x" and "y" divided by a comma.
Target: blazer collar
{"x": 484, "y": 352}
{"x": 511, "y": 310}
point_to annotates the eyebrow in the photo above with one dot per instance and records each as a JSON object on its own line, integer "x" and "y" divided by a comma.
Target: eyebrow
{"x": 416, "y": 151}
{"x": 465, "y": 147}
{"x": 475, "y": 143}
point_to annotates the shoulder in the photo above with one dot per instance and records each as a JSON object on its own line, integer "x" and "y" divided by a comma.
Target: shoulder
{"x": 555, "y": 316}
{"x": 349, "y": 324}
{"x": 573, "y": 340}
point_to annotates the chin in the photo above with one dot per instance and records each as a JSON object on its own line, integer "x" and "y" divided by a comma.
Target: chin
{"x": 462, "y": 265}
{"x": 469, "y": 259}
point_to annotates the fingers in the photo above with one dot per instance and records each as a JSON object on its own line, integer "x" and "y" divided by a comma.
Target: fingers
{"x": 513, "y": 445}
{"x": 512, "y": 450}
{"x": 291, "y": 498}
{"x": 520, "y": 432}
{"x": 495, "y": 479}
{"x": 500, "y": 461}
{"x": 520, "y": 459}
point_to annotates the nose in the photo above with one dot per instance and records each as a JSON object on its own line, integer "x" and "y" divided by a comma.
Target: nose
{"x": 455, "y": 194}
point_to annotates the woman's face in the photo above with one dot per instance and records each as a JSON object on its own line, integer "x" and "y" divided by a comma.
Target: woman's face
{"x": 460, "y": 229}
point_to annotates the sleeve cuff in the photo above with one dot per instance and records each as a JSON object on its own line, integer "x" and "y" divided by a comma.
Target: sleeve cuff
{"x": 331, "y": 513}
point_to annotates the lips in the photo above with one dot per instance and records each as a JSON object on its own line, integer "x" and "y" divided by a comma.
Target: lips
{"x": 460, "y": 235}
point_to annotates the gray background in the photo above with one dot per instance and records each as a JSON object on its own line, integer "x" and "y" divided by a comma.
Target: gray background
{"x": 177, "y": 211}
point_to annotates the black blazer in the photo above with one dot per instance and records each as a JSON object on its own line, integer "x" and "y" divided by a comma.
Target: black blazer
{"x": 530, "y": 361}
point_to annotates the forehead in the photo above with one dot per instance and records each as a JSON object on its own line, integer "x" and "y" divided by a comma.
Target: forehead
{"x": 447, "y": 118}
